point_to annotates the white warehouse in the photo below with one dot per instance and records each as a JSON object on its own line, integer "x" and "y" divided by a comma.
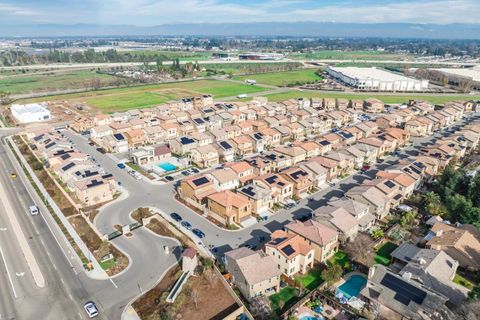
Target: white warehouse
{"x": 32, "y": 112}
{"x": 373, "y": 79}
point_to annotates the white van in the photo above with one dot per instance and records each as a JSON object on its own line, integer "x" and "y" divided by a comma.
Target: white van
{"x": 34, "y": 210}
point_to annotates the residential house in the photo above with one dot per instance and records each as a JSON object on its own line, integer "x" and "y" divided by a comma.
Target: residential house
{"x": 322, "y": 238}
{"x": 338, "y": 219}
{"x": 406, "y": 183}
{"x": 254, "y": 273}
{"x": 225, "y": 179}
{"x": 291, "y": 252}
{"x": 359, "y": 210}
{"x": 373, "y": 105}
{"x": 195, "y": 189}
{"x": 243, "y": 169}
{"x": 378, "y": 202}
{"x": 150, "y": 154}
{"x": 204, "y": 156}
{"x": 228, "y": 207}
{"x": 282, "y": 189}
{"x": 225, "y": 150}
{"x": 302, "y": 184}
{"x": 259, "y": 196}
{"x": 243, "y": 145}
{"x": 316, "y": 172}
{"x": 461, "y": 243}
{"x": 96, "y": 190}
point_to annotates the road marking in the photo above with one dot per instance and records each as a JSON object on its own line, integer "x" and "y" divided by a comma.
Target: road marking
{"x": 75, "y": 271}
{"x": 61, "y": 279}
{"x": 3, "y": 229}
{"x": 114, "y": 284}
{"x": 8, "y": 273}
{"x": 19, "y": 274}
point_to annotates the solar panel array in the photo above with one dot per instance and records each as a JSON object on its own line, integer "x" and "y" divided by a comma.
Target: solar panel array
{"x": 225, "y": 145}
{"x": 186, "y": 140}
{"x": 119, "y": 136}
{"x": 200, "y": 181}
{"x": 288, "y": 250}
{"x": 68, "y": 166}
{"x": 248, "y": 191}
{"x": 389, "y": 184}
{"x": 404, "y": 292}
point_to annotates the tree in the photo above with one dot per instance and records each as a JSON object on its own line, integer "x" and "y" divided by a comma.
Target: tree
{"x": 408, "y": 218}
{"x": 377, "y": 234}
{"x": 360, "y": 250}
{"x": 332, "y": 274}
{"x": 433, "y": 203}
{"x": 474, "y": 294}
{"x": 5, "y": 97}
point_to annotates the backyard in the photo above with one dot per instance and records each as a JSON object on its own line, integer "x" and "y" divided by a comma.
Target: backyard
{"x": 283, "y": 79}
{"x": 150, "y": 95}
{"x": 312, "y": 279}
{"x": 341, "y": 258}
{"x": 283, "y": 299}
{"x": 382, "y": 255}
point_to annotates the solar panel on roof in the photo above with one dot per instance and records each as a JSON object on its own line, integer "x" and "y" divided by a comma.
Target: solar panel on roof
{"x": 65, "y": 156}
{"x": 324, "y": 143}
{"x": 225, "y": 145}
{"x": 288, "y": 250}
{"x": 405, "y": 292}
{"x": 186, "y": 140}
{"x": 248, "y": 191}
{"x": 94, "y": 183}
{"x": 419, "y": 164}
{"x": 271, "y": 179}
{"x": 198, "y": 121}
{"x": 200, "y": 181}
{"x": 68, "y": 166}
{"x": 119, "y": 136}
{"x": 415, "y": 170}
{"x": 389, "y": 184}
{"x": 50, "y": 145}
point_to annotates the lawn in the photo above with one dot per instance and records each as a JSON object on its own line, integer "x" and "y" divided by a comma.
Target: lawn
{"x": 20, "y": 83}
{"x": 150, "y": 95}
{"x": 347, "y": 55}
{"x": 283, "y": 78}
{"x": 107, "y": 264}
{"x": 341, "y": 258}
{"x": 288, "y": 295}
{"x": 312, "y": 279}
{"x": 387, "y": 98}
{"x": 382, "y": 255}
{"x": 458, "y": 279}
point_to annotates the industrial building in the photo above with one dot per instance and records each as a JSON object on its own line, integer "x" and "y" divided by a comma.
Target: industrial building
{"x": 32, "y": 112}
{"x": 469, "y": 78}
{"x": 372, "y": 79}
{"x": 260, "y": 56}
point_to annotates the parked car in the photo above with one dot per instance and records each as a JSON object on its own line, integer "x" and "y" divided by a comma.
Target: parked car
{"x": 91, "y": 309}
{"x": 34, "y": 210}
{"x": 195, "y": 170}
{"x": 175, "y": 216}
{"x": 121, "y": 165}
{"x": 101, "y": 150}
{"x": 169, "y": 178}
{"x": 199, "y": 233}
{"x": 185, "y": 173}
{"x": 187, "y": 225}
{"x": 13, "y": 175}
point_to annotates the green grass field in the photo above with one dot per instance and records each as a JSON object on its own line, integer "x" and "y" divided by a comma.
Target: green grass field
{"x": 312, "y": 279}
{"x": 399, "y": 98}
{"x": 283, "y": 78}
{"x": 19, "y": 83}
{"x": 288, "y": 295}
{"x": 382, "y": 255}
{"x": 349, "y": 55}
{"x": 181, "y": 55}
{"x": 146, "y": 96}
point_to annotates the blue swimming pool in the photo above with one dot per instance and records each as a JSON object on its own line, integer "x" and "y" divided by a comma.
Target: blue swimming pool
{"x": 167, "y": 166}
{"x": 353, "y": 286}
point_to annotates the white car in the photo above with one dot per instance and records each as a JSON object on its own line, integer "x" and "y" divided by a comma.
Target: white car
{"x": 34, "y": 210}
{"x": 91, "y": 309}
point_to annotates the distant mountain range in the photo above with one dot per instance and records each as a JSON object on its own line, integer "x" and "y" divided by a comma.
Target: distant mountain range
{"x": 300, "y": 29}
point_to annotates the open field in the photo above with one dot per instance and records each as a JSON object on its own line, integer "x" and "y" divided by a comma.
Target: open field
{"x": 20, "y": 83}
{"x": 387, "y": 98}
{"x": 347, "y": 55}
{"x": 169, "y": 55}
{"x": 150, "y": 95}
{"x": 283, "y": 78}
{"x": 240, "y": 68}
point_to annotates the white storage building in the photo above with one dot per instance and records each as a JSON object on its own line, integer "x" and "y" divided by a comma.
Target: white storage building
{"x": 373, "y": 79}
{"x": 32, "y": 112}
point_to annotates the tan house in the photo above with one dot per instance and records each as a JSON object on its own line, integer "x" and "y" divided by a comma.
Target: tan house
{"x": 323, "y": 239}
{"x": 338, "y": 219}
{"x": 136, "y": 138}
{"x": 377, "y": 201}
{"x": 300, "y": 179}
{"x": 254, "y": 273}
{"x": 259, "y": 196}
{"x": 95, "y": 190}
{"x": 417, "y": 128}
{"x": 228, "y": 207}
{"x": 243, "y": 145}
{"x": 243, "y": 169}
{"x": 196, "y": 189}
{"x": 461, "y": 243}
{"x": 373, "y": 105}
{"x": 291, "y": 252}
{"x": 204, "y": 156}
{"x": 282, "y": 189}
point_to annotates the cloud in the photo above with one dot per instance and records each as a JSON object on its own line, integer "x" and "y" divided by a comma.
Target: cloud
{"x": 156, "y": 12}
{"x": 9, "y": 9}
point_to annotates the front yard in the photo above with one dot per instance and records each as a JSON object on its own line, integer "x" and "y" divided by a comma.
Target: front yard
{"x": 382, "y": 255}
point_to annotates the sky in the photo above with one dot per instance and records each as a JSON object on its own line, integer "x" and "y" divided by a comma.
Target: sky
{"x": 157, "y": 12}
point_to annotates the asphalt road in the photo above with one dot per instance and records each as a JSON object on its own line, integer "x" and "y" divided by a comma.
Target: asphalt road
{"x": 67, "y": 286}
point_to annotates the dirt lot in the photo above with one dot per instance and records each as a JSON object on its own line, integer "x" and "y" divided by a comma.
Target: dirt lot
{"x": 211, "y": 297}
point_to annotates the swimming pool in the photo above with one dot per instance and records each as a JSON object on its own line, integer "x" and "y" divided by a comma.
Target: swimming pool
{"x": 353, "y": 286}
{"x": 167, "y": 166}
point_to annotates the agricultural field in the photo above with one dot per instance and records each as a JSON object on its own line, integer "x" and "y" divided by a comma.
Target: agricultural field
{"x": 283, "y": 79}
{"x": 122, "y": 99}
{"x": 170, "y": 55}
{"x": 25, "y": 83}
{"x": 349, "y": 55}
{"x": 241, "y": 68}
{"x": 387, "y": 98}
